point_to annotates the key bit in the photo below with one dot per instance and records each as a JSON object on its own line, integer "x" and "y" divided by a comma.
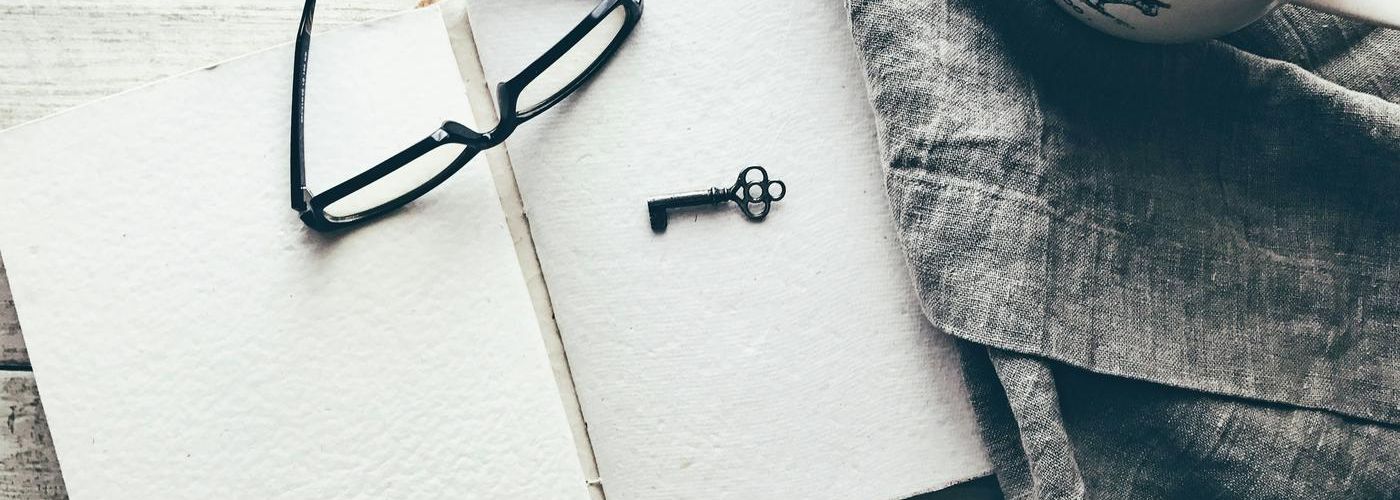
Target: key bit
{"x": 754, "y": 194}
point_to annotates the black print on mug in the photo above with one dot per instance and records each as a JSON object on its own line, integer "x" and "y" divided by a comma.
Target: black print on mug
{"x": 1147, "y": 7}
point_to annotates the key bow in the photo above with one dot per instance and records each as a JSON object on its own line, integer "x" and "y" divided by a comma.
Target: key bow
{"x": 748, "y": 192}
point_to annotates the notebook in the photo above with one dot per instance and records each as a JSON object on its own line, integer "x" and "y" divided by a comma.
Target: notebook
{"x": 520, "y": 332}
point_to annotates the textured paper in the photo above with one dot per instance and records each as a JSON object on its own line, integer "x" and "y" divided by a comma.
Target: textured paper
{"x": 191, "y": 339}
{"x": 728, "y": 359}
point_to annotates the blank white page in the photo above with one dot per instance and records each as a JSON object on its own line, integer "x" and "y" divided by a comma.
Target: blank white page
{"x": 192, "y": 339}
{"x": 723, "y": 358}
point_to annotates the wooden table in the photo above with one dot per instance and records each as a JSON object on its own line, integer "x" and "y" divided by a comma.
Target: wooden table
{"x": 64, "y": 53}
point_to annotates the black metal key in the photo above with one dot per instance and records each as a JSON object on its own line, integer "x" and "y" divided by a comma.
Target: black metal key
{"x": 755, "y": 197}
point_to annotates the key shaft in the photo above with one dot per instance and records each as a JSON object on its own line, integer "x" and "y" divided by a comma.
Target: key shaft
{"x": 657, "y": 207}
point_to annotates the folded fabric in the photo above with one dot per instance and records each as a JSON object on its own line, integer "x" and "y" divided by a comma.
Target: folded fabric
{"x": 1220, "y": 217}
{"x": 1058, "y": 432}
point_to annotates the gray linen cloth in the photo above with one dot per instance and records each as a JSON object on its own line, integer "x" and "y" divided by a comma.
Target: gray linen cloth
{"x": 1174, "y": 271}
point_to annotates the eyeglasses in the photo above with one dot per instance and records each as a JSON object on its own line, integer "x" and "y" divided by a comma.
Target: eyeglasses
{"x": 412, "y": 172}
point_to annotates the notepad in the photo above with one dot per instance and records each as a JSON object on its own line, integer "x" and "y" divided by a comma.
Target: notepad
{"x": 192, "y": 339}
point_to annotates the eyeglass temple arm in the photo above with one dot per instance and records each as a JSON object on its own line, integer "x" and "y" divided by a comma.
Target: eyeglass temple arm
{"x": 508, "y": 92}
{"x": 299, "y": 195}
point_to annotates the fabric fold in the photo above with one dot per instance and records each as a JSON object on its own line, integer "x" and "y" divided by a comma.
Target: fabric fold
{"x": 1193, "y": 215}
{"x": 1139, "y": 440}
{"x": 1174, "y": 271}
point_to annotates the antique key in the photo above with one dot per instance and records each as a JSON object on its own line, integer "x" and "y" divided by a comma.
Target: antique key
{"x": 754, "y": 195}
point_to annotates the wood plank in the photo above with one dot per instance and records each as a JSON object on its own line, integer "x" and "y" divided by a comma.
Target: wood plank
{"x": 28, "y": 466}
{"x": 62, "y": 53}
{"x": 12, "y": 353}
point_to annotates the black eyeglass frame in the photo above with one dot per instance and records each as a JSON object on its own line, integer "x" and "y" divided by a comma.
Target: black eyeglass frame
{"x": 311, "y": 207}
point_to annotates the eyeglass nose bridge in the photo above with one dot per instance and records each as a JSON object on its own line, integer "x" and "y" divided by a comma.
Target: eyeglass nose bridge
{"x": 459, "y": 133}
{"x": 490, "y": 138}
{"x": 508, "y": 120}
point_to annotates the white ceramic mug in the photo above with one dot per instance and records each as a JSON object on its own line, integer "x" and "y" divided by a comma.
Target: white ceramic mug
{"x": 1175, "y": 21}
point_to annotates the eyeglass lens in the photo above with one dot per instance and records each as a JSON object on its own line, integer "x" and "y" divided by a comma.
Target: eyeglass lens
{"x": 573, "y": 64}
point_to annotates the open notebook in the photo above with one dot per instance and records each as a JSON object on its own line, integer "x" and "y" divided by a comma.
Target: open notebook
{"x": 192, "y": 339}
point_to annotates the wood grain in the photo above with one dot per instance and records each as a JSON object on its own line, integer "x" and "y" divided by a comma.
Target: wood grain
{"x": 62, "y": 53}
{"x": 12, "y": 353}
{"x": 28, "y": 467}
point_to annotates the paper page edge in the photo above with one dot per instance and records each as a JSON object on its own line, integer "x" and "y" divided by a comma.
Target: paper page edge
{"x": 457, "y": 19}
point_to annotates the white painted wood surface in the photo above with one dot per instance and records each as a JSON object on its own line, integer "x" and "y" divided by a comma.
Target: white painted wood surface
{"x": 58, "y": 54}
